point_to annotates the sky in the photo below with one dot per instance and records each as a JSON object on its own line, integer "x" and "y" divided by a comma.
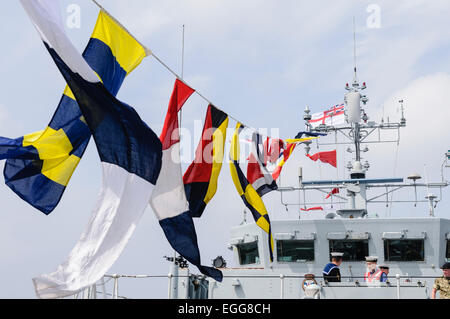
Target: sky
{"x": 260, "y": 61}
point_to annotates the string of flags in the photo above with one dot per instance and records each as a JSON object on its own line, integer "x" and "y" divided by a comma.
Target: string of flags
{"x": 139, "y": 168}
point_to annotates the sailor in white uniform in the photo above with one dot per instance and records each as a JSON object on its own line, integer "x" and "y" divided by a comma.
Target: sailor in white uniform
{"x": 373, "y": 274}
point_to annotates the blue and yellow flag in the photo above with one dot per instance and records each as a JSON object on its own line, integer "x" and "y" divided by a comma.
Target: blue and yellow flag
{"x": 40, "y": 165}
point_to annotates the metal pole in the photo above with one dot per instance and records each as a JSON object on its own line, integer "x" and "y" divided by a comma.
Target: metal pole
{"x": 300, "y": 177}
{"x": 357, "y": 142}
{"x": 354, "y": 47}
{"x": 93, "y": 292}
{"x": 397, "y": 276}
{"x": 170, "y": 285}
{"x": 182, "y": 56}
{"x": 187, "y": 278}
{"x": 281, "y": 286}
{"x": 182, "y": 70}
{"x": 350, "y": 279}
{"x": 103, "y": 288}
{"x": 180, "y": 118}
{"x": 211, "y": 286}
{"x": 116, "y": 287}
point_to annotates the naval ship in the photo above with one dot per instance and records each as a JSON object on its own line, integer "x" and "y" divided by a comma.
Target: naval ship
{"x": 414, "y": 247}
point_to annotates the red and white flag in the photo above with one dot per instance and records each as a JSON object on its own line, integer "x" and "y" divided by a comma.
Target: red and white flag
{"x": 332, "y": 117}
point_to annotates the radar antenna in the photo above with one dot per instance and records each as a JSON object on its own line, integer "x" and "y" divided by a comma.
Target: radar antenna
{"x": 355, "y": 79}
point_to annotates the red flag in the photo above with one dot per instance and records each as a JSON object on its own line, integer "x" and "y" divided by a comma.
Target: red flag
{"x": 325, "y": 157}
{"x": 170, "y": 135}
{"x": 334, "y": 191}
{"x": 310, "y": 209}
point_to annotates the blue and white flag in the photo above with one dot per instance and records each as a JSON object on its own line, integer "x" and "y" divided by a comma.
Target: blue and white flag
{"x": 130, "y": 153}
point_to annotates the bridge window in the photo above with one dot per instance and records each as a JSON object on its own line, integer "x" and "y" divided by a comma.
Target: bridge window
{"x": 404, "y": 250}
{"x": 295, "y": 250}
{"x": 248, "y": 253}
{"x": 354, "y": 250}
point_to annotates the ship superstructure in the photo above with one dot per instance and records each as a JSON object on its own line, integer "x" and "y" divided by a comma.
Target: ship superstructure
{"x": 414, "y": 248}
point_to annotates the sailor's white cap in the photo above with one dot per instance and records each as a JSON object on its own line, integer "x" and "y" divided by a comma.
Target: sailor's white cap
{"x": 371, "y": 259}
{"x": 337, "y": 254}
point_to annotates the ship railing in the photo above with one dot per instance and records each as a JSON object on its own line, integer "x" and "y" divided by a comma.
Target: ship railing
{"x": 400, "y": 281}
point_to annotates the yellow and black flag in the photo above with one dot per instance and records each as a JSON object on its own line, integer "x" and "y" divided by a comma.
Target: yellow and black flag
{"x": 200, "y": 179}
{"x": 248, "y": 194}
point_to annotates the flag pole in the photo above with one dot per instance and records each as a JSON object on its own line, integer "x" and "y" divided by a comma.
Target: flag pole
{"x": 182, "y": 55}
{"x": 182, "y": 66}
{"x": 354, "y": 49}
{"x": 181, "y": 116}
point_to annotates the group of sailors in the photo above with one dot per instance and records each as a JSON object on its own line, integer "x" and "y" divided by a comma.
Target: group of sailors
{"x": 380, "y": 273}
{"x": 374, "y": 272}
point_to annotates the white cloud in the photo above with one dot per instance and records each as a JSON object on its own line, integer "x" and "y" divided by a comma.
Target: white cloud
{"x": 427, "y": 110}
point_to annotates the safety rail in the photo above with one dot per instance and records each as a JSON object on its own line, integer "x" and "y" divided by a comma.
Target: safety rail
{"x": 409, "y": 281}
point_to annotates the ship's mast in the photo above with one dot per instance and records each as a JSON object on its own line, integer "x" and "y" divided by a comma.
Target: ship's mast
{"x": 353, "y": 101}
{"x": 359, "y": 130}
